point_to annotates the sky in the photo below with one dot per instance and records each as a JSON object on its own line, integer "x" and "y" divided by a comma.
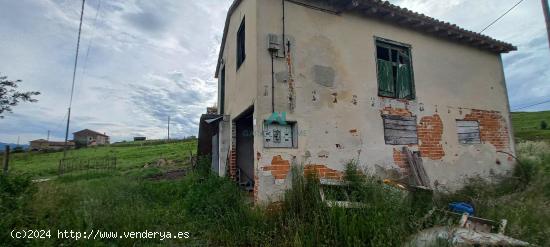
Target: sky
{"x": 142, "y": 60}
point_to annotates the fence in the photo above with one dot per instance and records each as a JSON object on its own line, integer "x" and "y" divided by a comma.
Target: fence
{"x": 69, "y": 165}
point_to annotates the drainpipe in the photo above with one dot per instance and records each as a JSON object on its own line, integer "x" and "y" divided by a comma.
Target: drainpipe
{"x": 284, "y": 40}
{"x": 272, "y": 83}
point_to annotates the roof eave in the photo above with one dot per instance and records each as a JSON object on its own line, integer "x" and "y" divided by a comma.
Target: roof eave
{"x": 388, "y": 12}
{"x": 224, "y": 38}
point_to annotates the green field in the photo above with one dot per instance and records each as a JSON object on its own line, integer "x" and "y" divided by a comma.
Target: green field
{"x": 527, "y": 126}
{"x": 129, "y": 155}
{"x": 214, "y": 212}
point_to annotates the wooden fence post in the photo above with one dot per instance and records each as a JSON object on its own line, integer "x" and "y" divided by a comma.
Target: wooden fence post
{"x": 6, "y": 160}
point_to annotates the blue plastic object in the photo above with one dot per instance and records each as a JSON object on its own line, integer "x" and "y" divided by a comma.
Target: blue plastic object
{"x": 461, "y": 207}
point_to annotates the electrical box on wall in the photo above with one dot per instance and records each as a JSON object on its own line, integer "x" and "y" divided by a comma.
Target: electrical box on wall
{"x": 278, "y": 135}
{"x": 274, "y": 45}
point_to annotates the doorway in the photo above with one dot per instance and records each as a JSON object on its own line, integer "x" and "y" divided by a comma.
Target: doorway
{"x": 245, "y": 149}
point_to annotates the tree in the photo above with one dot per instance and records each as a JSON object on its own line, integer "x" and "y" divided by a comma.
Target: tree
{"x": 543, "y": 125}
{"x": 10, "y": 96}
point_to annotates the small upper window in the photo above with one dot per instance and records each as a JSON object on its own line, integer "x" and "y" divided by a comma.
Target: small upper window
{"x": 395, "y": 76}
{"x": 241, "y": 55}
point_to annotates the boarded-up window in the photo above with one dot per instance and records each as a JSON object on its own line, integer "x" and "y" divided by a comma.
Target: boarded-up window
{"x": 394, "y": 70}
{"x": 400, "y": 130}
{"x": 468, "y": 132}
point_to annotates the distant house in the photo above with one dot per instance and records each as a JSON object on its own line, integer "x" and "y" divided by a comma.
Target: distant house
{"x": 45, "y": 145}
{"x": 140, "y": 138}
{"x": 89, "y": 137}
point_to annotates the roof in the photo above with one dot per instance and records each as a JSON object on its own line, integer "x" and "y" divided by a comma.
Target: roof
{"x": 403, "y": 17}
{"x": 89, "y": 131}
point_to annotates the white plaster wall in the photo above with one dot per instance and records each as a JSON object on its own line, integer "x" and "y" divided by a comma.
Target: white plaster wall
{"x": 240, "y": 85}
{"x": 448, "y": 77}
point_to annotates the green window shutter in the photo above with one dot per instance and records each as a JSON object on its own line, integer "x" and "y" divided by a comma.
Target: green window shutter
{"x": 404, "y": 87}
{"x": 385, "y": 79}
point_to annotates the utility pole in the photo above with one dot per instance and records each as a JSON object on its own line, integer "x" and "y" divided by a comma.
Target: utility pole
{"x": 74, "y": 77}
{"x": 67, "y": 134}
{"x": 48, "y": 135}
{"x": 546, "y": 11}
{"x": 168, "y": 128}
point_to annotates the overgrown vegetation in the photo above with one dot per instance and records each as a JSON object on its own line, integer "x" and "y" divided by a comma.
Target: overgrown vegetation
{"x": 523, "y": 199}
{"x": 216, "y": 213}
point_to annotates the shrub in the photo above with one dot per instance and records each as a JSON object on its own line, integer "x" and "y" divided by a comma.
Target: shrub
{"x": 15, "y": 190}
{"x": 543, "y": 125}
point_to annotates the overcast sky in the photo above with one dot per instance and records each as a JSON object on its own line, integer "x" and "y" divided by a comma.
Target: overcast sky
{"x": 143, "y": 60}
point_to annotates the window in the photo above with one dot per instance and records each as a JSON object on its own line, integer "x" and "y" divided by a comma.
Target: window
{"x": 468, "y": 132}
{"x": 400, "y": 130}
{"x": 222, "y": 91}
{"x": 394, "y": 70}
{"x": 241, "y": 55}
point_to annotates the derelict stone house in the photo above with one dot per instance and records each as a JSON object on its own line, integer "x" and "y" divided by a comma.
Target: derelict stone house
{"x": 322, "y": 82}
{"x": 87, "y": 137}
{"x": 46, "y": 145}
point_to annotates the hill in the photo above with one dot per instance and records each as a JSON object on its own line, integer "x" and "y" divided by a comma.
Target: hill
{"x": 12, "y": 145}
{"x": 527, "y": 126}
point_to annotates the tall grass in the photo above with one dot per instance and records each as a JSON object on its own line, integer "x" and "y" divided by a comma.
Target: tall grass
{"x": 523, "y": 199}
{"x": 217, "y": 213}
{"x": 302, "y": 219}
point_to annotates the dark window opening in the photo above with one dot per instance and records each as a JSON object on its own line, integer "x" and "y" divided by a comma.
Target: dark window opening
{"x": 394, "y": 70}
{"x": 222, "y": 92}
{"x": 241, "y": 55}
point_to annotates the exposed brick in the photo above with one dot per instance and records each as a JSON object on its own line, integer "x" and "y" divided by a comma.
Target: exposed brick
{"x": 396, "y": 111}
{"x": 400, "y": 160}
{"x": 256, "y": 187}
{"x": 322, "y": 171}
{"x": 430, "y": 131}
{"x": 492, "y": 128}
{"x": 233, "y": 153}
{"x": 279, "y": 167}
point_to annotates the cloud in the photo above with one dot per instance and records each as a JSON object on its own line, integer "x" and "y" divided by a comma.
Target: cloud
{"x": 526, "y": 70}
{"x": 139, "y": 62}
{"x": 142, "y": 61}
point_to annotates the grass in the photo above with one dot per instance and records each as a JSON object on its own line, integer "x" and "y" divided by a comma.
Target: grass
{"x": 216, "y": 213}
{"x": 130, "y": 155}
{"x": 527, "y": 126}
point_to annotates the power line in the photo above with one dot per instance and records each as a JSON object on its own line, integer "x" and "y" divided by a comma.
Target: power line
{"x": 529, "y": 106}
{"x": 76, "y": 56}
{"x": 90, "y": 43}
{"x": 74, "y": 75}
{"x": 495, "y": 21}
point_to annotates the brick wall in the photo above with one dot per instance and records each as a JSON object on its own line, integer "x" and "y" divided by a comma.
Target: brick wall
{"x": 322, "y": 171}
{"x": 256, "y": 187}
{"x": 388, "y": 110}
{"x": 400, "y": 159}
{"x": 233, "y": 153}
{"x": 279, "y": 167}
{"x": 492, "y": 128}
{"x": 430, "y": 131}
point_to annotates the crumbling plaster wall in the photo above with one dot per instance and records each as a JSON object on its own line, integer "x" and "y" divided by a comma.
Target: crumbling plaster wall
{"x": 338, "y": 110}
